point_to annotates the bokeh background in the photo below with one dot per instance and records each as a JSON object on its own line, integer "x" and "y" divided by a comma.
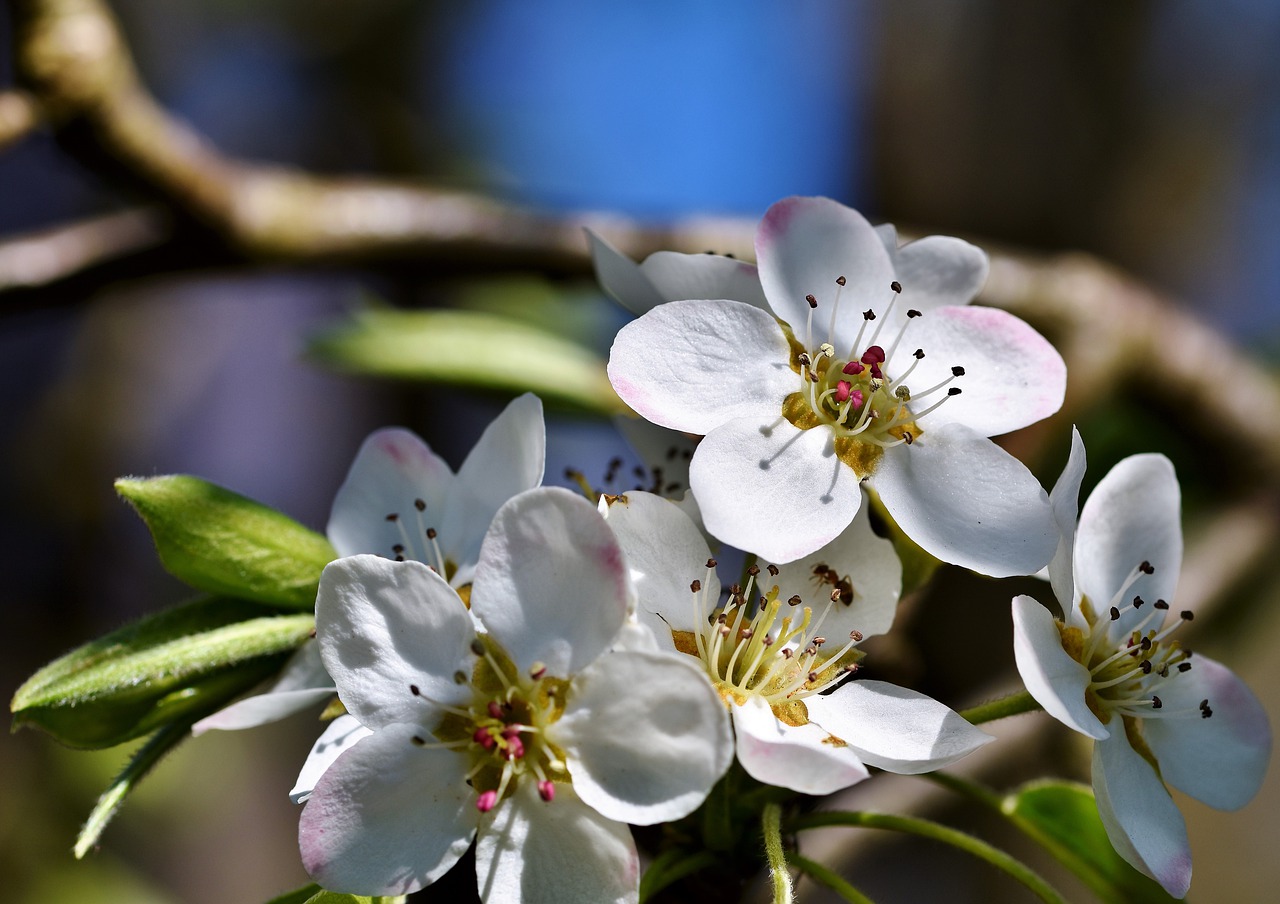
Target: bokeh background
{"x": 1145, "y": 133}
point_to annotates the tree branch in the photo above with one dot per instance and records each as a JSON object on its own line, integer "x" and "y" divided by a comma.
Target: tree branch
{"x": 19, "y": 115}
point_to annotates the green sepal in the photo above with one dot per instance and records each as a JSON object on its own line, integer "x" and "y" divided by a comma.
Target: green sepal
{"x": 221, "y": 542}
{"x": 185, "y": 662}
{"x": 1063, "y": 816}
{"x": 469, "y": 348}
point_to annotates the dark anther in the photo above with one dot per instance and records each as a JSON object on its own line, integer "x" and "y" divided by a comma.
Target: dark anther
{"x": 1187, "y": 615}
{"x": 813, "y": 677}
{"x": 1184, "y": 667}
{"x": 906, "y": 437}
{"x": 1137, "y": 602}
{"x": 735, "y": 590}
{"x": 431, "y": 533}
{"x": 1155, "y": 702}
{"x": 1146, "y": 567}
{"x": 868, "y": 314}
{"x": 413, "y": 689}
{"x": 398, "y": 548}
{"x": 712, "y": 563}
{"x": 696, "y": 586}
{"x": 896, "y": 286}
{"x": 1161, "y": 604}
{"x": 795, "y": 600}
{"x": 1146, "y": 643}
{"x": 420, "y": 505}
{"x": 855, "y": 636}
{"x": 1206, "y": 713}
{"x": 477, "y": 647}
{"x": 840, "y": 280}
{"x": 421, "y": 742}
{"x": 393, "y": 517}
{"x": 753, "y": 570}
{"x": 773, "y": 570}
{"x": 1115, "y": 613}
{"x": 954, "y": 390}
{"x": 804, "y": 359}
{"x": 813, "y": 302}
{"x": 918, "y": 354}
{"x": 819, "y": 641}
{"x": 399, "y": 557}
{"x": 1145, "y": 665}
{"x": 957, "y": 371}
{"x": 913, "y": 313}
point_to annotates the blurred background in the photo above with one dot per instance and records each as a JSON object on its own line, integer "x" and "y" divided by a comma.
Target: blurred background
{"x": 1147, "y": 134}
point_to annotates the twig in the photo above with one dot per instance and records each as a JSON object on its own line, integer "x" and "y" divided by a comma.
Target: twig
{"x": 19, "y": 114}
{"x": 42, "y": 257}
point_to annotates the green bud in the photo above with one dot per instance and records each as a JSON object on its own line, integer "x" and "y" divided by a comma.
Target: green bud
{"x": 221, "y": 542}
{"x": 182, "y": 663}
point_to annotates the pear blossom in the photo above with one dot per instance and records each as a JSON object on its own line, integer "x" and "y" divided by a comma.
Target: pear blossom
{"x": 781, "y": 666}
{"x": 1112, "y": 669}
{"x": 529, "y": 727}
{"x": 855, "y": 372}
{"x": 401, "y": 500}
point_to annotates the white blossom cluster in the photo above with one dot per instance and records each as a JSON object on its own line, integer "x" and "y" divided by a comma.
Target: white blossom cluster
{"x": 529, "y": 672}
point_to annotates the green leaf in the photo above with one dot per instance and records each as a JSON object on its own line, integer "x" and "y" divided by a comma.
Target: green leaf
{"x": 333, "y": 897}
{"x": 187, "y": 661}
{"x": 1063, "y": 816}
{"x": 221, "y": 542}
{"x": 300, "y": 896}
{"x": 469, "y": 348}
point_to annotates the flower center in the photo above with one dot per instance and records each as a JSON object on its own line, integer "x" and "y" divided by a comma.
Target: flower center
{"x": 421, "y": 542}
{"x": 1129, "y": 669}
{"x": 852, "y": 391}
{"x": 762, "y": 650}
{"x": 503, "y": 730}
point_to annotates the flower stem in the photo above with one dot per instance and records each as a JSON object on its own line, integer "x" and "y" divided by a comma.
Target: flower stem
{"x": 1012, "y": 705}
{"x": 928, "y": 829}
{"x": 771, "y": 821}
{"x": 830, "y": 879}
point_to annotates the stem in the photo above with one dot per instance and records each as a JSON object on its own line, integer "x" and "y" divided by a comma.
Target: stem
{"x": 830, "y": 879}
{"x": 670, "y": 867}
{"x": 1012, "y": 705}
{"x": 927, "y": 829}
{"x": 771, "y": 821}
{"x": 970, "y": 789}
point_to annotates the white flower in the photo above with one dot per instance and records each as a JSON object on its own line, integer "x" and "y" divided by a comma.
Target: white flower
{"x": 853, "y": 376}
{"x": 1112, "y": 670}
{"x": 772, "y": 664}
{"x": 401, "y": 500}
{"x": 539, "y": 735}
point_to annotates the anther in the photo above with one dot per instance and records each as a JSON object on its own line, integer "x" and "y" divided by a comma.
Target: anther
{"x": 853, "y": 368}
{"x": 913, "y": 313}
{"x": 477, "y": 647}
{"x": 1187, "y": 615}
{"x": 1184, "y": 667}
{"x": 819, "y": 641}
{"x": 1146, "y": 567}
{"x": 1156, "y": 703}
{"x": 1137, "y": 602}
{"x": 1161, "y": 604}
{"x": 393, "y": 517}
{"x": 459, "y": 677}
{"x": 855, "y": 635}
{"x": 896, "y": 286}
{"x": 537, "y": 670}
{"x": 773, "y": 570}
{"x": 712, "y": 563}
{"x": 918, "y": 354}
{"x": 954, "y": 391}
{"x": 835, "y": 595}
{"x": 957, "y": 371}
{"x": 1145, "y": 665}
{"x": 420, "y": 505}
{"x": 487, "y": 801}
{"x": 1115, "y": 614}
{"x": 840, "y": 280}
{"x": 431, "y": 533}
{"x": 419, "y": 741}
{"x": 813, "y": 302}
{"x": 753, "y": 570}
{"x": 868, "y": 314}
{"x": 413, "y": 689}
{"x": 696, "y": 585}
{"x": 547, "y": 790}
{"x": 795, "y": 600}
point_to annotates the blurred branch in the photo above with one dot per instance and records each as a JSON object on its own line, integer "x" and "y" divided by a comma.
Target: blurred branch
{"x": 42, "y": 257}
{"x": 19, "y": 114}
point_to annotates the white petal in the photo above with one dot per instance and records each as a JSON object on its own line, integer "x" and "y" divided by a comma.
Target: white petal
{"x": 678, "y": 276}
{"x": 769, "y": 488}
{"x": 646, "y": 736}
{"x": 1141, "y": 820}
{"x": 939, "y": 270}
{"x": 803, "y": 758}
{"x": 392, "y": 469}
{"x": 506, "y": 460}
{"x": 863, "y": 562}
{"x": 552, "y": 584}
{"x": 966, "y": 501}
{"x": 887, "y": 233}
{"x": 1220, "y": 760}
{"x": 1132, "y": 515}
{"x": 802, "y": 246}
{"x": 1012, "y": 375}
{"x": 692, "y": 365}
{"x": 536, "y": 852}
{"x": 386, "y": 627}
{"x": 893, "y": 728}
{"x": 263, "y": 709}
{"x": 340, "y": 736}
{"x": 389, "y": 817}
{"x": 665, "y": 554}
{"x": 1057, "y": 681}
{"x": 1065, "y": 499}
{"x": 622, "y": 279}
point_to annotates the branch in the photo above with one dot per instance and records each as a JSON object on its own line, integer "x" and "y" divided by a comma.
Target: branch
{"x": 19, "y": 115}
{"x": 42, "y": 257}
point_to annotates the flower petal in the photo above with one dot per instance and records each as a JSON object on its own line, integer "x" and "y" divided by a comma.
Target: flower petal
{"x": 622, "y": 279}
{"x": 389, "y": 816}
{"x": 893, "y": 728}
{"x": 552, "y": 583}
{"x": 262, "y": 709}
{"x": 646, "y": 736}
{"x": 537, "y": 852}
{"x": 678, "y": 276}
{"x": 862, "y": 562}
{"x": 1141, "y": 820}
{"x": 1057, "y": 681}
{"x": 799, "y": 757}
{"x": 802, "y": 246}
{"x": 392, "y": 469}
{"x": 386, "y": 627}
{"x": 1065, "y": 499}
{"x": 340, "y": 736}
{"x": 769, "y": 488}
{"x": 507, "y": 459}
{"x": 1219, "y": 760}
{"x": 1012, "y": 375}
{"x": 665, "y": 553}
{"x": 966, "y": 501}
{"x": 1132, "y": 515}
{"x": 939, "y": 270}
{"x": 692, "y": 365}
